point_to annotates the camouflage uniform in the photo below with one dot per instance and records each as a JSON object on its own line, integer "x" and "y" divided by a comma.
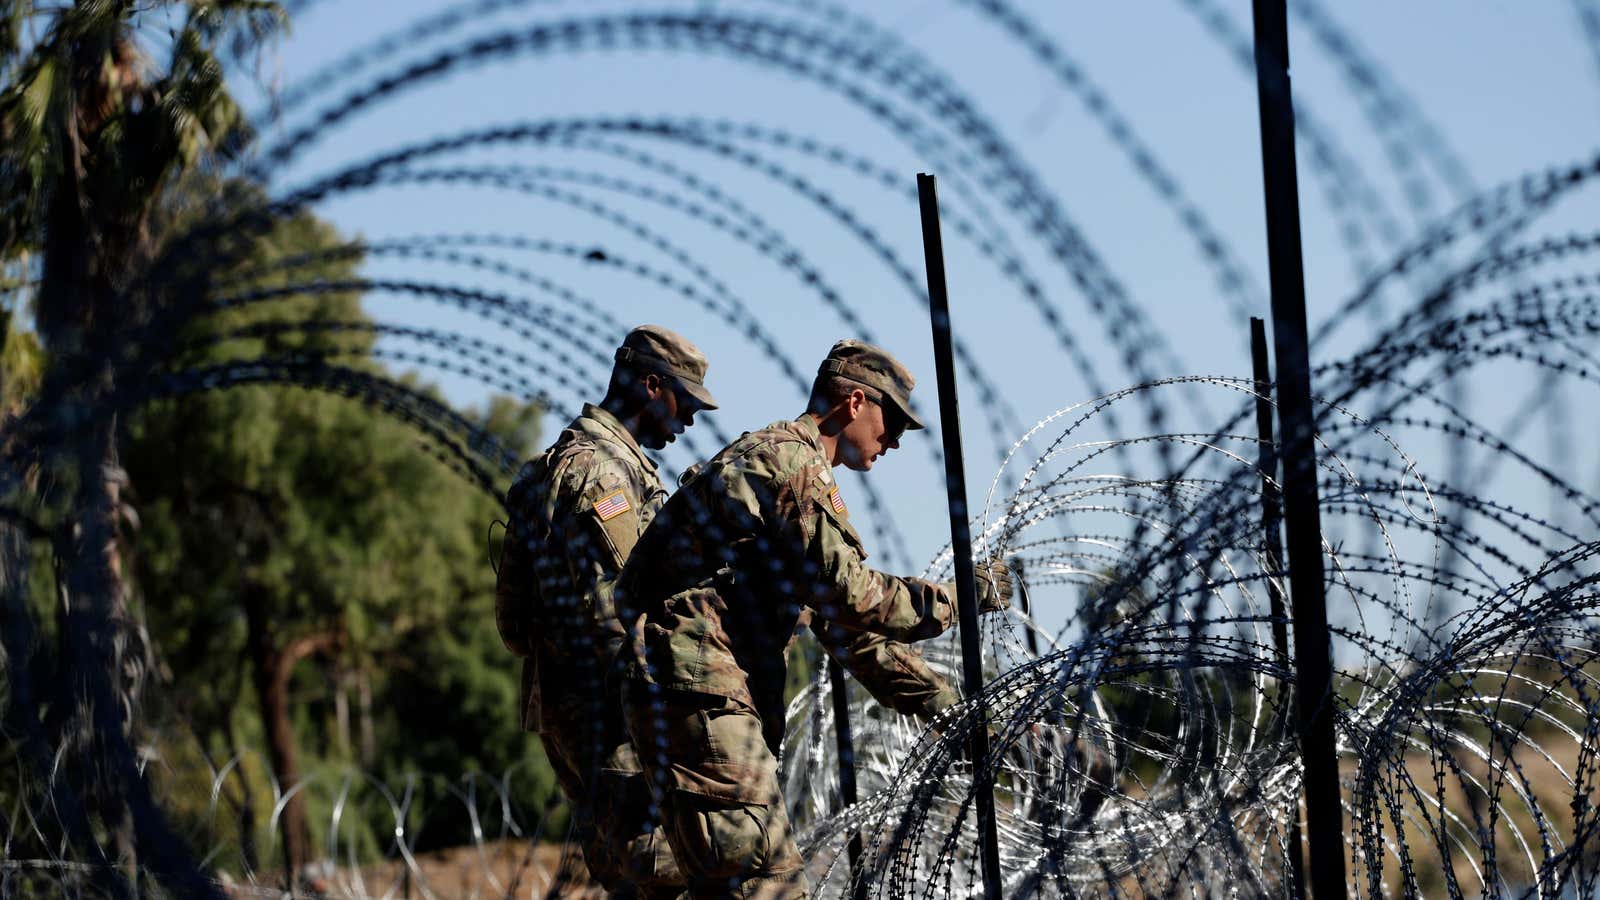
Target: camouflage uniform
{"x": 576, "y": 512}
{"x": 756, "y": 544}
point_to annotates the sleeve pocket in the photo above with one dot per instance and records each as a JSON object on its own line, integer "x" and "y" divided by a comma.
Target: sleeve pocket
{"x": 843, "y": 525}
{"x": 620, "y": 533}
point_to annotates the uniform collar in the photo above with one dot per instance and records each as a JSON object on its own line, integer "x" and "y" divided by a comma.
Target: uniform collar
{"x": 808, "y": 427}
{"x": 601, "y": 423}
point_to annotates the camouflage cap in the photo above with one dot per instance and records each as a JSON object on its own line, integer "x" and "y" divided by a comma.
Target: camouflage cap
{"x": 652, "y": 348}
{"x": 882, "y": 376}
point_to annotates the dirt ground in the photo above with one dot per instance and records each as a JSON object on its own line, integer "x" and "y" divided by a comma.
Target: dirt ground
{"x": 497, "y": 869}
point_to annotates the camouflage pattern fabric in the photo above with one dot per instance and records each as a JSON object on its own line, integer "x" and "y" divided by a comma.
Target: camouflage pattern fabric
{"x": 725, "y": 847}
{"x": 576, "y": 512}
{"x": 755, "y": 545}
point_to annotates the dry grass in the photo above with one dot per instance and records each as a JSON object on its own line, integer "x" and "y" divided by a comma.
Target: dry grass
{"x": 496, "y": 869}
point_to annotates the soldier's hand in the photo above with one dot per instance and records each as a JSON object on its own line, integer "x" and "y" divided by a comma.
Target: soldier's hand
{"x": 994, "y": 585}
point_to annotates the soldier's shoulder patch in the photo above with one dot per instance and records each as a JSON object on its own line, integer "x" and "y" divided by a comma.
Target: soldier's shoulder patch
{"x": 836, "y": 501}
{"x": 612, "y": 505}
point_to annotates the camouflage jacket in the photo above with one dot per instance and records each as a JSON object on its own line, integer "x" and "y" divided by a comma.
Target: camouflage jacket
{"x": 576, "y": 512}
{"x": 755, "y": 543}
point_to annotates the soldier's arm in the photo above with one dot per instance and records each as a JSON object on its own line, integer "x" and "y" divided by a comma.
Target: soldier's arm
{"x": 894, "y": 673}
{"x": 600, "y": 509}
{"x": 516, "y": 580}
{"x": 513, "y": 593}
{"x": 864, "y": 599}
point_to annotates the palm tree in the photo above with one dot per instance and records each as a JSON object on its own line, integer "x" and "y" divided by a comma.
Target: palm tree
{"x": 92, "y": 131}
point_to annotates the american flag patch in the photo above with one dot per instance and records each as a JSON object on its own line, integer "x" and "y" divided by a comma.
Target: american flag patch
{"x": 611, "y": 505}
{"x": 836, "y": 501}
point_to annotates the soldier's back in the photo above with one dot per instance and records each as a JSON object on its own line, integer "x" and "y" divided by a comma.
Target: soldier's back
{"x": 576, "y": 512}
{"x": 720, "y": 506}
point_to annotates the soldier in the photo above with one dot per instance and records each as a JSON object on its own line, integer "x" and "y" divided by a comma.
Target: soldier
{"x": 756, "y": 544}
{"x": 576, "y": 512}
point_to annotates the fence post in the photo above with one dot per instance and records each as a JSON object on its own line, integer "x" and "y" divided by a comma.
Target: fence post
{"x": 1272, "y": 553}
{"x": 1312, "y": 646}
{"x": 847, "y": 760}
{"x": 1029, "y": 635}
{"x": 955, "y": 479}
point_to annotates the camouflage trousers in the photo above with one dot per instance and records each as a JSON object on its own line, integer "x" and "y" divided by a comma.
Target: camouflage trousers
{"x": 717, "y": 783}
{"x": 611, "y": 806}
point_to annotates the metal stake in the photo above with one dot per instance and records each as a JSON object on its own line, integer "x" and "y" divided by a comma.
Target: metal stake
{"x": 1313, "y": 656}
{"x": 955, "y": 480}
{"x": 847, "y": 760}
{"x": 1272, "y": 551}
{"x": 1029, "y": 635}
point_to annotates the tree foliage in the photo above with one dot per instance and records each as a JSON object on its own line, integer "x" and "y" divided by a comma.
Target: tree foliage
{"x": 291, "y": 552}
{"x": 92, "y": 128}
{"x": 21, "y": 366}
{"x": 92, "y": 132}
{"x": 282, "y": 521}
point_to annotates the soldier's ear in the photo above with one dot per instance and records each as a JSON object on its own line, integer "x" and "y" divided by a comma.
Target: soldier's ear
{"x": 857, "y": 402}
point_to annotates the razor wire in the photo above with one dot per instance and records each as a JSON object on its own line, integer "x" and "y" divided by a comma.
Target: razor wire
{"x": 1149, "y": 748}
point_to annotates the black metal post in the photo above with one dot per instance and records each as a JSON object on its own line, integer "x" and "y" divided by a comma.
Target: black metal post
{"x": 1029, "y": 635}
{"x": 955, "y": 479}
{"x": 1312, "y": 646}
{"x": 847, "y": 758}
{"x": 1272, "y": 552}
{"x": 1271, "y": 493}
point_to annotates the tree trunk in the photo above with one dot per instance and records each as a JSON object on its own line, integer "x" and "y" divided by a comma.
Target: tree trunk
{"x": 247, "y": 808}
{"x": 341, "y": 711}
{"x": 99, "y": 637}
{"x": 87, "y": 240}
{"x": 272, "y": 695}
{"x": 369, "y": 741}
{"x": 99, "y": 696}
{"x": 273, "y": 666}
{"x": 99, "y": 645}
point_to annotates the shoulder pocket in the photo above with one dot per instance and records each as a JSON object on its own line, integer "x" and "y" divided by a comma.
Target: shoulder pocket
{"x": 839, "y": 522}
{"x": 617, "y": 516}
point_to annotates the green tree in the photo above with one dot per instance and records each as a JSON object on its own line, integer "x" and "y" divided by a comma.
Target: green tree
{"x": 21, "y": 364}
{"x": 289, "y": 529}
{"x": 317, "y": 539}
{"x": 92, "y": 131}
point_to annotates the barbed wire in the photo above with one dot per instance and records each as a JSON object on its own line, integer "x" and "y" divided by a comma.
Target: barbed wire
{"x": 1146, "y": 744}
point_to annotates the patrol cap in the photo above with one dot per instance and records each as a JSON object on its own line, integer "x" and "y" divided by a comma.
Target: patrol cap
{"x": 652, "y": 348}
{"x": 881, "y": 376}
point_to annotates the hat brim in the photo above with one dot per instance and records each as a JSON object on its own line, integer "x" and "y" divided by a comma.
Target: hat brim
{"x": 913, "y": 422}
{"x": 699, "y": 393}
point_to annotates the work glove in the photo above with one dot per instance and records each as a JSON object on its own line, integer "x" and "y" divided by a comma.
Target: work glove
{"x": 994, "y": 585}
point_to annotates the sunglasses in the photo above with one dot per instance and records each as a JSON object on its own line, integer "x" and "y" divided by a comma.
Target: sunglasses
{"x": 894, "y": 423}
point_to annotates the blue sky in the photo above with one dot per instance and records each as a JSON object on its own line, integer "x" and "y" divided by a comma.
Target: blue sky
{"x": 1508, "y": 87}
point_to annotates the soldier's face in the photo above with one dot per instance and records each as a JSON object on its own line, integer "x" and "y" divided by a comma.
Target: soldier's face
{"x": 667, "y": 415}
{"x": 873, "y": 432}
